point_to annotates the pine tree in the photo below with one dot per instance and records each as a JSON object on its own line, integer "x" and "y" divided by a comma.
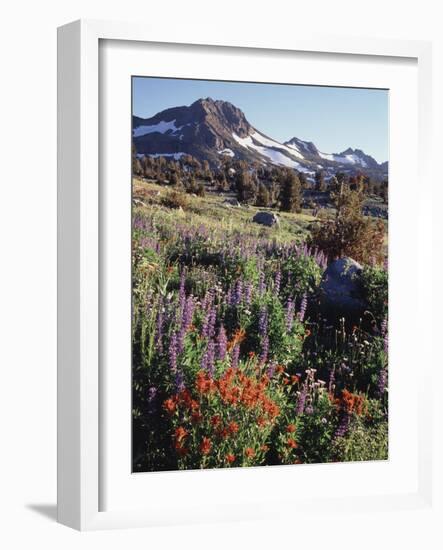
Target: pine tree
{"x": 246, "y": 188}
{"x": 136, "y": 165}
{"x": 263, "y": 197}
{"x": 303, "y": 180}
{"x": 290, "y": 192}
{"x": 320, "y": 184}
{"x": 174, "y": 180}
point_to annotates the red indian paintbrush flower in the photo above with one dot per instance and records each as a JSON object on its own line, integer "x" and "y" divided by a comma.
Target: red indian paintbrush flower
{"x": 205, "y": 446}
{"x": 180, "y": 433}
{"x": 233, "y": 427}
{"x": 170, "y": 405}
{"x": 249, "y": 452}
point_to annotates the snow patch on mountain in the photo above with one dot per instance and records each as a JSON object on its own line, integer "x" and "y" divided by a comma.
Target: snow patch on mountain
{"x": 271, "y": 143}
{"x": 227, "y": 151}
{"x": 274, "y": 155}
{"x": 293, "y": 147}
{"x": 350, "y": 158}
{"x": 161, "y": 127}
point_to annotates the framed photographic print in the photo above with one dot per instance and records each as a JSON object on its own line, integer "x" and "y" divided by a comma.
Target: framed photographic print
{"x": 235, "y": 249}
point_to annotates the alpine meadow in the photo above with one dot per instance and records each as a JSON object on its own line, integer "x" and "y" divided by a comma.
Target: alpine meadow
{"x": 259, "y": 274}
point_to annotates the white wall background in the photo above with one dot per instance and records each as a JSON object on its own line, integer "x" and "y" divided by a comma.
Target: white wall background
{"x": 28, "y": 266}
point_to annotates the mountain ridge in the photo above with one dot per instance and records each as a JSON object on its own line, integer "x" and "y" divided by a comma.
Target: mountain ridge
{"x": 212, "y": 130}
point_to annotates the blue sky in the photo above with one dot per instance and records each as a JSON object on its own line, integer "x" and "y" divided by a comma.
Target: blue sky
{"x": 333, "y": 118}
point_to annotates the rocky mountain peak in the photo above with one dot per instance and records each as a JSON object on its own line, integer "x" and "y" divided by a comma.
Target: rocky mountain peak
{"x": 214, "y": 129}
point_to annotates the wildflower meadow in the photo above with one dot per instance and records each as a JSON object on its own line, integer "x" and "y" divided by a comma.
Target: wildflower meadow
{"x": 234, "y": 362}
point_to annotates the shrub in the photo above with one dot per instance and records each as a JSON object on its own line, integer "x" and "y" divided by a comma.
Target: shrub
{"x": 359, "y": 238}
{"x": 175, "y": 199}
{"x": 192, "y": 187}
{"x": 270, "y": 334}
{"x": 350, "y": 234}
{"x": 365, "y": 440}
{"x": 301, "y": 275}
{"x": 316, "y": 426}
{"x": 375, "y": 288}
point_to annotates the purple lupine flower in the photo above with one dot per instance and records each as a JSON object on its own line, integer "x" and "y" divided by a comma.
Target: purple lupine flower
{"x": 277, "y": 283}
{"x": 207, "y": 362}
{"x": 343, "y": 425}
{"x": 207, "y": 300}
{"x": 264, "y": 350}
{"x": 263, "y": 321}
{"x": 222, "y": 343}
{"x": 301, "y": 400}
{"x": 182, "y": 292}
{"x": 290, "y": 306}
{"x": 238, "y": 293}
{"x": 173, "y": 353}
{"x": 211, "y": 322}
{"x": 303, "y": 306}
{"x": 206, "y": 325}
{"x": 179, "y": 380}
{"x": 261, "y": 283}
{"x": 381, "y": 383}
{"x": 188, "y": 312}
{"x": 235, "y": 356}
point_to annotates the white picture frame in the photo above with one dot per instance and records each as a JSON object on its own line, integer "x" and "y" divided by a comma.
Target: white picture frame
{"x": 79, "y": 257}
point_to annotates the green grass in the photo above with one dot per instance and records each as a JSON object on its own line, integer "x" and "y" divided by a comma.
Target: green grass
{"x": 211, "y": 211}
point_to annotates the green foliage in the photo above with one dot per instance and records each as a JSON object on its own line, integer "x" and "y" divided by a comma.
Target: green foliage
{"x": 263, "y": 196}
{"x": 375, "y": 287}
{"x": 350, "y": 233}
{"x": 290, "y": 192}
{"x": 320, "y": 183}
{"x": 284, "y": 345}
{"x": 195, "y": 188}
{"x": 315, "y": 430}
{"x": 175, "y": 199}
{"x": 366, "y": 440}
{"x": 305, "y": 271}
{"x": 246, "y": 187}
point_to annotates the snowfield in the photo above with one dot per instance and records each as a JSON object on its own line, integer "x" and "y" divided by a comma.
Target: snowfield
{"x": 269, "y": 150}
{"x": 344, "y": 159}
{"x": 227, "y": 151}
{"x": 271, "y": 143}
{"x": 162, "y": 127}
